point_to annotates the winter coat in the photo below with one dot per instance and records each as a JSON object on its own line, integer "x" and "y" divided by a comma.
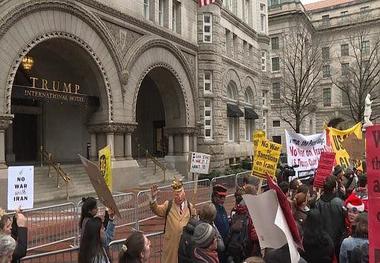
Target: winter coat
{"x": 348, "y": 246}
{"x": 20, "y": 234}
{"x": 318, "y": 251}
{"x": 221, "y": 221}
{"x": 175, "y": 222}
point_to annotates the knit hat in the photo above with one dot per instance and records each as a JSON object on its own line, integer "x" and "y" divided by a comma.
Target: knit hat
{"x": 203, "y": 235}
{"x": 337, "y": 170}
{"x": 353, "y": 201}
{"x": 220, "y": 190}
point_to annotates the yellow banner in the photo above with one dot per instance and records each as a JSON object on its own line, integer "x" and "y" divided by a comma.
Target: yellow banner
{"x": 266, "y": 159}
{"x": 336, "y": 138}
{"x": 256, "y": 137}
{"x": 105, "y": 165}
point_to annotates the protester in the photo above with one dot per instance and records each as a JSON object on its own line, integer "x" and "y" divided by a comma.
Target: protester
{"x": 281, "y": 255}
{"x": 353, "y": 206}
{"x": 17, "y": 229}
{"x": 207, "y": 214}
{"x": 7, "y": 246}
{"x": 301, "y": 208}
{"x": 293, "y": 186}
{"x": 284, "y": 188}
{"x": 318, "y": 245}
{"x": 186, "y": 248}
{"x": 331, "y": 209}
{"x": 341, "y": 189}
{"x": 218, "y": 197}
{"x": 89, "y": 210}
{"x": 177, "y": 213}
{"x": 136, "y": 249}
{"x": 362, "y": 190}
{"x": 94, "y": 242}
{"x": 205, "y": 244}
{"x": 358, "y": 238}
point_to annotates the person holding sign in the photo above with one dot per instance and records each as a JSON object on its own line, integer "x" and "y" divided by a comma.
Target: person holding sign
{"x": 177, "y": 213}
{"x": 18, "y": 230}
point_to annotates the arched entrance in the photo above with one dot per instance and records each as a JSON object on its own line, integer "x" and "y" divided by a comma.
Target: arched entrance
{"x": 52, "y": 101}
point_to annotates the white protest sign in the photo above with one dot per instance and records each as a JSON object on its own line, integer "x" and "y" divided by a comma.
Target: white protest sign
{"x": 20, "y": 187}
{"x": 200, "y": 163}
{"x": 305, "y": 151}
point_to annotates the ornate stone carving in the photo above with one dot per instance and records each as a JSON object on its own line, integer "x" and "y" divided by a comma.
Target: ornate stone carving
{"x": 180, "y": 130}
{"x": 5, "y": 121}
{"x": 108, "y": 127}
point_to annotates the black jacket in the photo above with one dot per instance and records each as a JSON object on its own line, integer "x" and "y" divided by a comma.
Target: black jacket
{"x": 20, "y": 234}
{"x": 318, "y": 251}
{"x": 185, "y": 249}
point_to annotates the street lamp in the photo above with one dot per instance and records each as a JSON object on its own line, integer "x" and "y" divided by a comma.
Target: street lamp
{"x": 27, "y": 62}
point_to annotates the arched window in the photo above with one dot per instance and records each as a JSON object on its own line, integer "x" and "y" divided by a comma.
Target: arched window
{"x": 233, "y": 112}
{"x": 248, "y": 96}
{"x": 232, "y": 91}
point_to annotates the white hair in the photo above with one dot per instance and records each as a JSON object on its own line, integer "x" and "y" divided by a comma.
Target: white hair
{"x": 7, "y": 246}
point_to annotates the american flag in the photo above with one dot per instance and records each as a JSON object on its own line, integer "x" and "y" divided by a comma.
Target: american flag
{"x": 205, "y": 2}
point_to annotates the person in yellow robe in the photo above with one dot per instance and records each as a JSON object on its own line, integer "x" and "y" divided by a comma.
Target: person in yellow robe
{"x": 177, "y": 212}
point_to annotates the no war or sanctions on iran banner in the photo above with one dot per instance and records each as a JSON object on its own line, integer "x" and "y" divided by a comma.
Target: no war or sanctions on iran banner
{"x": 266, "y": 159}
{"x": 336, "y": 138}
{"x": 304, "y": 151}
{"x": 20, "y": 187}
{"x": 257, "y": 136}
{"x": 373, "y": 172}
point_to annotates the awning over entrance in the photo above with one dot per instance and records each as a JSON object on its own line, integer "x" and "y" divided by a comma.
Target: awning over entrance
{"x": 234, "y": 111}
{"x": 249, "y": 113}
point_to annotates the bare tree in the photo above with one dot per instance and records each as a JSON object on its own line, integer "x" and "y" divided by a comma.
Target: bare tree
{"x": 360, "y": 75}
{"x": 301, "y": 75}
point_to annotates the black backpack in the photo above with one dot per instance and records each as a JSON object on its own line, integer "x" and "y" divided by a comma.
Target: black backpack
{"x": 238, "y": 239}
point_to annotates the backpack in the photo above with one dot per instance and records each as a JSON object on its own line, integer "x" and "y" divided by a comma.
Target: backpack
{"x": 170, "y": 204}
{"x": 238, "y": 238}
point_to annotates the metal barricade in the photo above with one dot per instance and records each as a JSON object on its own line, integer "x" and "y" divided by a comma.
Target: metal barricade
{"x": 156, "y": 240}
{"x": 51, "y": 225}
{"x": 60, "y": 256}
{"x": 143, "y": 212}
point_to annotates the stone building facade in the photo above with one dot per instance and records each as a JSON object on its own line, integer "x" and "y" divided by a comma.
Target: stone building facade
{"x": 152, "y": 75}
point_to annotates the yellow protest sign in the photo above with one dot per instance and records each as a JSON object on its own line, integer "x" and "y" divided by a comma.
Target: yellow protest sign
{"x": 256, "y": 137}
{"x": 336, "y": 138}
{"x": 266, "y": 159}
{"x": 105, "y": 165}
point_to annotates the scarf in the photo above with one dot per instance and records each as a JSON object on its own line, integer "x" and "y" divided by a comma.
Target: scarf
{"x": 205, "y": 255}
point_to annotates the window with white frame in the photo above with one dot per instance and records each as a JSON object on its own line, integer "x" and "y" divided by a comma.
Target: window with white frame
{"x": 326, "y": 95}
{"x": 208, "y": 119}
{"x": 275, "y": 64}
{"x": 326, "y": 71}
{"x": 275, "y": 43}
{"x": 233, "y": 122}
{"x": 264, "y": 98}
{"x": 176, "y": 16}
{"x": 248, "y": 96}
{"x": 146, "y": 9}
{"x": 344, "y": 50}
{"x": 263, "y": 18}
{"x": 249, "y": 129}
{"x": 263, "y": 61}
{"x": 207, "y": 28}
{"x": 276, "y": 91}
{"x": 365, "y": 47}
{"x": 207, "y": 82}
{"x": 265, "y": 118}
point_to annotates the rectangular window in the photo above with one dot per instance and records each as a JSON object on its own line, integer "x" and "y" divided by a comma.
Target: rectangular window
{"x": 228, "y": 4}
{"x": 176, "y": 13}
{"x": 326, "y": 71}
{"x": 275, "y": 43}
{"x": 275, "y": 64}
{"x": 207, "y": 81}
{"x": 232, "y": 129}
{"x": 326, "y": 20}
{"x": 265, "y": 118}
{"x": 263, "y": 8}
{"x": 344, "y": 50}
{"x": 365, "y": 47}
{"x": 246, "y": 7}
{"x": 274, "y": 2}
{"x": 235, "y": 41}
{"x": 208, "y": 119}
{"x": 263, "y": 19}
{"x": 146, "y": 9}
{"x": 327, "y": 97}
{"x": 251, "y": 55}
{"x": 325, "y": 53}
{"x": 207, "y": 28}
{"x": 161, "y": 9}
{"x": 249, "y": 128}
{"x": 345, "y": 69}
{"x": 345, "y": 101}
{"x": 263, "y": 61}
{"x": 276, "y": 91}
{"x": 276, "y": 139}
{"x": 265, "y": 98}
{"x": 277, "y": 123}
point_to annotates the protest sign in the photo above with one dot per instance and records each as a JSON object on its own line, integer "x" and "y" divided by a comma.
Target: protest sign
{"x": 257, "y": 136}
{"x": 200, "y": 163}
{"x": 266, "y": 159}
{"x": 373, "y": 177}
{"x": 325, "y": 166}
{"x": 336, "y": 138}
{"x": 20, "y": 187}
{"x": 97, "y": 181}
{"x": 354, "y": 146}
{"x": 304, "y": 152}
{"x": 270, "y": 223}
{"x": 105, "y": 165}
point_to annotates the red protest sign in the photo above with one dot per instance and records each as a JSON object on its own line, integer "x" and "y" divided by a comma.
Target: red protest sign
{"x": 325, "y": 165}
{"x": 373, "y": 178}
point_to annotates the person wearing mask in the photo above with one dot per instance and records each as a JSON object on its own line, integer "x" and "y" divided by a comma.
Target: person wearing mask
{"x": 95, "y": 241}
{"x": 177, "y": 213}
{"x": 358, "y": 238}
{"x": 136, "y": 249}
{"x": 7, "y": 246}
{"x": 218, "y": 196}
{"x": 205, "y": 244}
{"x": 18, "y": 230}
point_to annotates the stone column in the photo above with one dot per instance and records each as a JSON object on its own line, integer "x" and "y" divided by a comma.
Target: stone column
{"x": 186, "y": 143}
{"x": 111, "y": 142}
{"x": 5, "y": 121}
{"x": 93, "y": 149}
{"x": 9, "y": 155}
{"x": 130, "y": 128}
{"x": 195, "y": 142}
{"x": 171, "y": 145}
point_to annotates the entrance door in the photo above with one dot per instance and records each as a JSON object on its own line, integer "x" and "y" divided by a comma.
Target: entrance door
{"x": 159, "y": 140}
{"x": 25, "y": 137}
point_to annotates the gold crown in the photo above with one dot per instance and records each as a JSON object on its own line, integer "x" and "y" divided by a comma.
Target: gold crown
{"x": 177, "y": 184}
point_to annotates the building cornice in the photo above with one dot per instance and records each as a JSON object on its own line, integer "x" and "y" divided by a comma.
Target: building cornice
{"x": 237, "y": 22}
{"x": 239, "y": 65}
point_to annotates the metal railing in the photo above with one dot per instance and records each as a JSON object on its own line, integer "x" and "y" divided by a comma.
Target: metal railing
{"x": 155, "y": 162}
{"x": 49, "y": 160}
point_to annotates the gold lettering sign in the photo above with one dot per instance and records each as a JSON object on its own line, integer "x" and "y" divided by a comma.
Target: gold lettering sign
{"x": 55, "y": 85}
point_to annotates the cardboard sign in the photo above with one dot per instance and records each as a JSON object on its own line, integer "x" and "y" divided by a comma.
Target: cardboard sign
{"x": 336, "y": 138}
{"x": 257, "y": 136}
{"x": 354, "y": 146}
{"x": 305, "y": 151}
{"x": 20, "y": 187}
{"x": 266, "y": 159}
{"x": 105, "y": 165}
{"x": 200, "y": 163}
{"x": 97, "y": 181}
{"x": 373, "y": 176}
{"x": 325, "y": 166}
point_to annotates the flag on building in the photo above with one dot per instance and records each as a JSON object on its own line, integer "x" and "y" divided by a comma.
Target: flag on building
{"x": 205, "y": 2}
